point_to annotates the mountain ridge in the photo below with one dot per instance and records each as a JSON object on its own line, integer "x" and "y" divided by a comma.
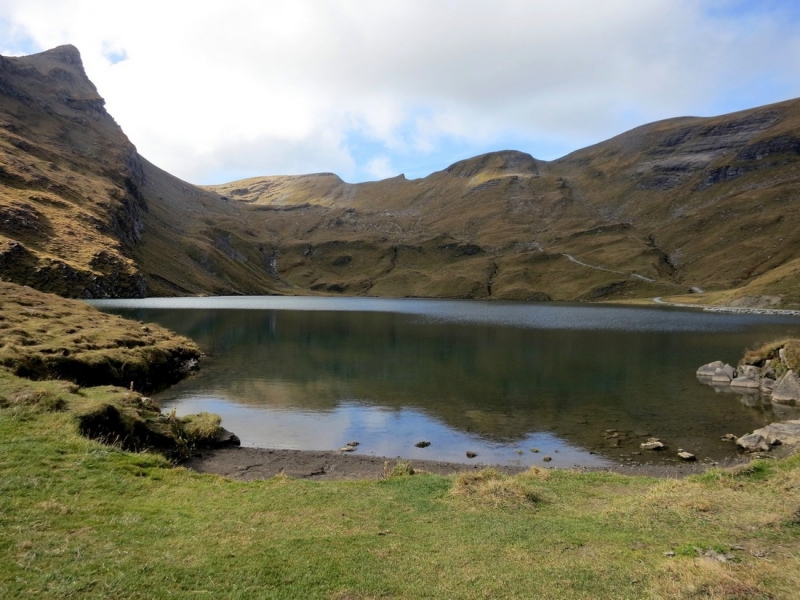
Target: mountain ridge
{"x": 667, "y": 207}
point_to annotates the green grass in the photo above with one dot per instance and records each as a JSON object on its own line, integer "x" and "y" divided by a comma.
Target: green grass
{"x": 80, "y": 519}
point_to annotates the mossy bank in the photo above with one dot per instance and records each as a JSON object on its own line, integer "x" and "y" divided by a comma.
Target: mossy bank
{"x": 43, "y": 336}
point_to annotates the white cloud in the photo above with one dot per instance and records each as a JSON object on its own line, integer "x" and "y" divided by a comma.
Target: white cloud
{"x": 380, "y": 167}
{"x": 212, "y": 90}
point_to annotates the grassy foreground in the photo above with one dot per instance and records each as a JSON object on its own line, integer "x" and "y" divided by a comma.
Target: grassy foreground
{"x": 80, "y": 519}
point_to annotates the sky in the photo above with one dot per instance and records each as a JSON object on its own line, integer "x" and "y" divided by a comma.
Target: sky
{"x": 214, "y": 91}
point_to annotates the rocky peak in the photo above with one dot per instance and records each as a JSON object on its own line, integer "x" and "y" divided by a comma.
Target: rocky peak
{"x": 507, "y": 162}
{"x": 67, "y": 54}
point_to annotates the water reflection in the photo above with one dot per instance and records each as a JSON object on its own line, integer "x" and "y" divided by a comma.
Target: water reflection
{"x": 494, "y": 378}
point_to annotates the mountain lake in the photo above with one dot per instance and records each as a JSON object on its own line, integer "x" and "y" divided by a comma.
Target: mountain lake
{"x": 584, "y": 384}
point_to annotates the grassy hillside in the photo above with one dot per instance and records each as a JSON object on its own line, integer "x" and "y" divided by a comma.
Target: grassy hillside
{"x": 705, "y": 203}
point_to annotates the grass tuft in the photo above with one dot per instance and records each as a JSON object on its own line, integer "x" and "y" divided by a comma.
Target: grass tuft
{"x": 490, "y": 487}
{"x": 401, "y": 468}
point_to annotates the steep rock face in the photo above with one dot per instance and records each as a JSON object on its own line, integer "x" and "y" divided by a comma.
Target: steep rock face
{"x": 71, "y": 210}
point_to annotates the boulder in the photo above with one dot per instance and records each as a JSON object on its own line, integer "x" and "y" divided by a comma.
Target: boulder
{"x": 709, "y": 369}
{"x": 787, "y": 432}
{"x": 753, "y": 442}
{"x": 226, "y": 439}
{"x": 750, "y": 372}
{"x": 787, "y": 389}
{"x": 724, "y": 374}
{"x": 760, "y": 440}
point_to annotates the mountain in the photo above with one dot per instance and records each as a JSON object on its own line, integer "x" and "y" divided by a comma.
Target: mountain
{"x": 708, "y": 203}
{"x": 684, "y": 204}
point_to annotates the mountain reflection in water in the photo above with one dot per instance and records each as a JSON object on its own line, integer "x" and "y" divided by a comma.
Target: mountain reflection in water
{"x": 500, "y": 379}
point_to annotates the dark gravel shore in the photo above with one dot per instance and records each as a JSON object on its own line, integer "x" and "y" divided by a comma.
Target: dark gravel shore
{"x": 249, "y": 464}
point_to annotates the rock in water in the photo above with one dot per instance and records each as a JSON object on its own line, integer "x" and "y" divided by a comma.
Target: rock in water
{"x": 787, "y": 389}
{"x": 652, "y": 444}
{"x": 709, "y": 369}
{"x": 687, "y": 456}
{"x": 749, "y": 377}
{"x": 471, "y": 454}
{"x": 422, "y": 444}
{"x": 724, "y": 374}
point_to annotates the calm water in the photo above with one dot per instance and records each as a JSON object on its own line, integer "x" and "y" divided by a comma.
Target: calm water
{"x": 499, "y": 379}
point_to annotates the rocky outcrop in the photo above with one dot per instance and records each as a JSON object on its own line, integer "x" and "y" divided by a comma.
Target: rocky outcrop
{"x": 758, "y": 373}
{"x": 758, "y": 379}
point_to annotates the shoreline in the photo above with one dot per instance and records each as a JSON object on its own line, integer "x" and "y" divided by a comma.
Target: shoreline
{"x": 731, "y": 309}
{"x": 251, "y": 464}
